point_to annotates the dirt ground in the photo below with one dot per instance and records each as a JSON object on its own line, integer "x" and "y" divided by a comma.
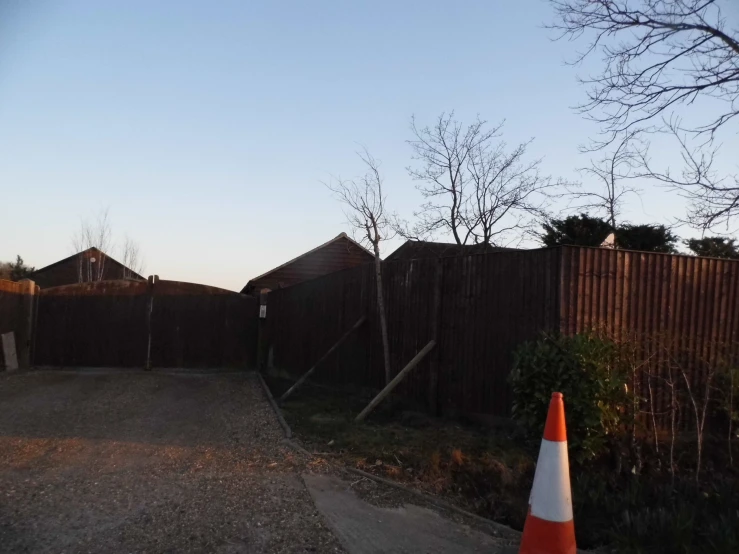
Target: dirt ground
{"x": 148, "y": 462}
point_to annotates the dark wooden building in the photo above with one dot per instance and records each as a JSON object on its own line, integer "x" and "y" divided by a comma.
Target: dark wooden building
{"x": 86, "y": 266}
{"x": 337, "y": 254}
{"x": 417, "y": 249}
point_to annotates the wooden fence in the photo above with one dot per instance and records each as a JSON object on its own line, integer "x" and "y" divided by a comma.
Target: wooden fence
{"x": 680, "y": 313}
{"x": 17, "y": 308}
{"x": 138, "y": 324}
{"x": 480, "y": 308}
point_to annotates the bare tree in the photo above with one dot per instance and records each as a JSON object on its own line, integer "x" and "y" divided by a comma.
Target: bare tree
{"x": 131, "y": 258}
{"x": 95, "y": 233}
{"x": 443, "y": 151}
{"x": 98, "y": 233}
{"x": 713, "y": 200}
{"x": 657, "y": 55}
{"x": 474, "y": 188}
{"x": 508, "y": 193}
{"x": 610, "y": 173}
{"x": 365, "y": 211}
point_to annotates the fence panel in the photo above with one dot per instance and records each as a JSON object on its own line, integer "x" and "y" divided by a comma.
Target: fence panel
{"x": 197, "y": 326}
{"x": 135, "y": 324}
{"x": 410, "y": 297}
{"x": 99, "y": 324}
{"x": 11, "y": 306}
{"x": 17, "y": 307}
{"x": 305, "y": 320}
{"x": 679, "y": 313}
{"x": 490, "y": 303}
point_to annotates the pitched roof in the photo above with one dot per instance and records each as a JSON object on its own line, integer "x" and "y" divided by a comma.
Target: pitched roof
{"x": 413, "y": 249}
{"x": 309, "y": 270}
{"x": 91, "y": 250}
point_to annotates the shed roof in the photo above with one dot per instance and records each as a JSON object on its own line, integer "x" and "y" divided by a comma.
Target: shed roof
{"x": 341, "y": 252}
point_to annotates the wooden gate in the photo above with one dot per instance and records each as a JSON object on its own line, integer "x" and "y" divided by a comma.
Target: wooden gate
{"x": 159, "y": 324}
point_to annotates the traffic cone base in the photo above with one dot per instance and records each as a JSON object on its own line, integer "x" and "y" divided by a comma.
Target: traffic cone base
{"x": 544, "y": 537}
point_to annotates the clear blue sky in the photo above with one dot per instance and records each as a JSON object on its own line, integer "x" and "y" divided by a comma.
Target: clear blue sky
{"x": 207, "y": 127}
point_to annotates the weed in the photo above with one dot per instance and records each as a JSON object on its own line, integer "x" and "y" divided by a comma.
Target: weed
{"x": 457, "y": 457}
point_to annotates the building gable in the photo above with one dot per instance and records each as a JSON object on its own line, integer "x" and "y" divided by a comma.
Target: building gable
{"x": 81, "y": 267}
{"x": 335, "y": 255}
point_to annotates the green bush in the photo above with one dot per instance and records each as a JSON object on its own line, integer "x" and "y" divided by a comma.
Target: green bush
{"x": 585, "y": 369}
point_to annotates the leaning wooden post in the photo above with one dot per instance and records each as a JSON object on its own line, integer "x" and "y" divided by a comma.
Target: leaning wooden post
{"x": 326, "y": 355}
{"x": 394, "y": 383}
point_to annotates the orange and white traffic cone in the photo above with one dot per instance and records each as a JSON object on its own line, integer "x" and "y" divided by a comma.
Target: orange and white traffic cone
{"x": 550, "y": 528}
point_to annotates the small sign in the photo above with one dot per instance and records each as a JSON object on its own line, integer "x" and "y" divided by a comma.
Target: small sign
{"x": 262, "y": 311}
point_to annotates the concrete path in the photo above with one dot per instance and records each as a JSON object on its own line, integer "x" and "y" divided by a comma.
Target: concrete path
{"x": 366, "y": 529}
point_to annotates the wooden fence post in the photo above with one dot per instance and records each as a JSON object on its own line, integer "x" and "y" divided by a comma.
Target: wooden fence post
{"x": 433, "y": 392}
{"x": 30, "y": 298}
{"x": 261, "y": 323}
{"x": 152, "y": 281}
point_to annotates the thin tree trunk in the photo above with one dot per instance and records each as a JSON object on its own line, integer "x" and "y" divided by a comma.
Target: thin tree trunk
{"x": 700, "y": 418}
{"x": 381, "y": 311}
{"x": 651, "y": 411}
{"x": 101, "y": 267}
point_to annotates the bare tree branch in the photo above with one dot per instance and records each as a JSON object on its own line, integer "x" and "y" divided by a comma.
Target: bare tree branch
{"x": 131, "y": 258}
{"x": 95, "y": 233}
{"x": 713, "y": 201}
{"x": 608, "y": 193}
{"x": 474, "y": 188}
{"x": 98, "y": 233}
{"x": 657, "y": 55}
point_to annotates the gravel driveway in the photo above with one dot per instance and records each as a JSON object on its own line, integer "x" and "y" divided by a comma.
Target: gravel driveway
{"x": 148, "y": 462}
